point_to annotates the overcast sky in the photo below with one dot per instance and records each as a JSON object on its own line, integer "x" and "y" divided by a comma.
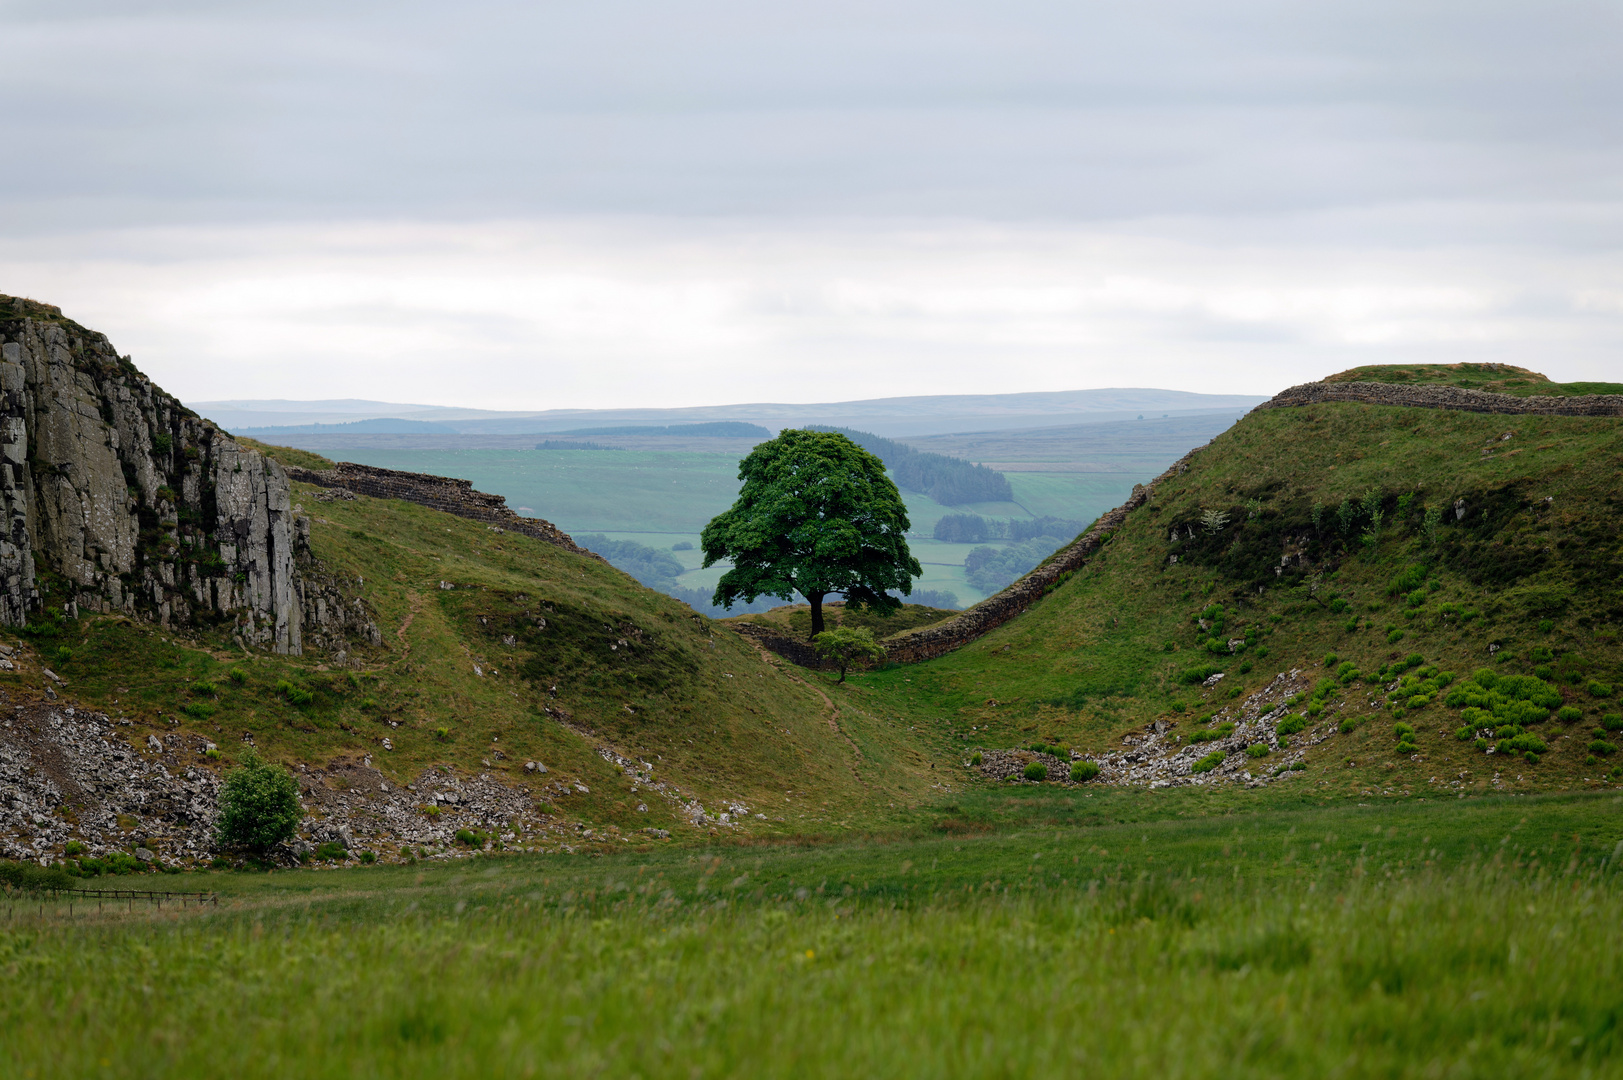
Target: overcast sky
{"x": 573, "y": 204}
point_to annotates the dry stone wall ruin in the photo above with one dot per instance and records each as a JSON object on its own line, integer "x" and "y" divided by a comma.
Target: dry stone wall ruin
{"x": 120, "y": 499}
{"x": 439, "y": 493}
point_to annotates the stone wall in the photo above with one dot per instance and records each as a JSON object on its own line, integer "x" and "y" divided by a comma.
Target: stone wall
{"x": 1445, "y": 397}
{"x": 928, "y": 642}
{"x": 439, "y": 493}
{"x": 122, "y": 499}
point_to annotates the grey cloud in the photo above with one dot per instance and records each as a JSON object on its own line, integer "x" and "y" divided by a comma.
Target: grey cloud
{"x": 144, "y": 113}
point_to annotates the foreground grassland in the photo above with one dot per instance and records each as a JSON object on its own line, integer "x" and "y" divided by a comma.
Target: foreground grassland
{"x": 1472, "y": 938}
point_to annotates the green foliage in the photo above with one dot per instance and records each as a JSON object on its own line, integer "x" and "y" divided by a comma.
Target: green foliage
{"x": 296, "y": 695}
{"x": 816, "y": 515}
{"x": 29, "y": 877}
{"x": 1083, "y": 771}
{"x": 1209, "y": 762}
{"x": 1568, "y": 714}
{"x": 259, "y": 805}
{"x": 1612, "y": 722}
{"x": 1292, "y": 724}
{"x": 331, "y": 851}
{"x": 198, "y": 710}
{"x": 1204, "y": 735}
{"x": 846, "y": 645}
{"x": 948, "y": 480}
{"x": 1035, "y": 770}
{"x": 975, "y": 759}
{"x": 162, "y": 443}
{"x": 1198, "y": 675}
{"x": 1600, "y": 689}
{"x": 1602, "y": 748}
{"x": 1257, "y": 750}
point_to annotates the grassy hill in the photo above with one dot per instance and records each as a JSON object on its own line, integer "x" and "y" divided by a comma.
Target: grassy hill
{"x": 1342, "y": 540}
{"x": 1491, "y": 378}
{"x": 497, "y": 650}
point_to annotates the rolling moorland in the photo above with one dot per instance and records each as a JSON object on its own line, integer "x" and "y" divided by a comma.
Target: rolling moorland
{"x": 1427, "y": 600}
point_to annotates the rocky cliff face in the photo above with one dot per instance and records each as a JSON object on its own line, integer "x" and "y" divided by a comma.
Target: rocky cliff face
{"x": 117, "y": 498}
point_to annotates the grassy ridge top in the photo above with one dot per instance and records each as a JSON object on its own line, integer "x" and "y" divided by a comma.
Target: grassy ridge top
{"x": 1490, "y": 378}
{"x": 1496, "y": 546}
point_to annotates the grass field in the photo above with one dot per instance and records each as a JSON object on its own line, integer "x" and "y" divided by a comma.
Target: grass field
{"x": 1009, "y": 933}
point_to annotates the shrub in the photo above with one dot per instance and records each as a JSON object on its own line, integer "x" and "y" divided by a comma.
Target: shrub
{"x": 443, "y": 734}
{"x": 31, "y": 878}
{"x": 1291, "y": 724}
{"x": 1198, "y": 675}
{"x": 1394, "y": 637}
{"x": 1403, "y": 732}
{"x": 1257, "y": 750}
{"x": 204, "y": 688}
{"x": 1531, "y": 757}
{"x": 1612, "y": 721}
{"x": 213, "y": 753}
{"x": 1569, "y": 713}
{"x": 1035, "y": 771}
{"x": 198, "y": 709}
{"x": 73, "y": 847}
{"x": 1466, "y": 733}
{"x": 1083, "y": 771}
{"x": 369, "y": 857}
{"x": 975, "y": 758}
{"x": 237, "y": 676}
{"x": 1314, "y": 708}
{"x": 1209, "y": 762}
{"x": 259, "y": 805}
{"x": 1602, "y": 748}
{"x": 847, "y": 645}
{"x": 1527, "y": 743}
{"x": 472, "y": 838}
{"x": 1330, "y": 659}
{"x": 295, "y": 695}
{"x": 1405, "y": 748}
{"x": 332, "y": 851}
{"x": 1348, "y": 726}
{"x": 1600, "y": 689}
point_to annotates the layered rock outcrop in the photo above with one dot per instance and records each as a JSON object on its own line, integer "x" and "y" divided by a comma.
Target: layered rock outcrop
{"x": 117, "y": 498}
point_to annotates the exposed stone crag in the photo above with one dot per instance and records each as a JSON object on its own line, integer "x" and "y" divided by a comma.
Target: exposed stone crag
{"x": 439, "y": 493}
{"x": 120, "y": 499}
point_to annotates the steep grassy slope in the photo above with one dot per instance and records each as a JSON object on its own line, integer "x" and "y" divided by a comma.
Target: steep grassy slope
{"x": 498, "y": 649}
{"x": 1369, "y": 533}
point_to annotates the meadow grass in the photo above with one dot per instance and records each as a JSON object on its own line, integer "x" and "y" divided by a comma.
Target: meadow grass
{"x": 1467, "y": 938}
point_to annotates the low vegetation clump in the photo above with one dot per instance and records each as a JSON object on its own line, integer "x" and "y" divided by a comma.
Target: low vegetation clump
{"x": 1035, "y": 770}
{"x": 1204, "y": 735}
{"x": 1209, "y": 762}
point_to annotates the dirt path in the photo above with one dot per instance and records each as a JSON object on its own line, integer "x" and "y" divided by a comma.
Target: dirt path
{"x": 828, "y": 703}
{"x": 416, "y": 606}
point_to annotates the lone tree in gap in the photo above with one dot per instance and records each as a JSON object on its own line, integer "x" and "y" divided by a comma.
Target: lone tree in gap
{"x": 816, "y": 515}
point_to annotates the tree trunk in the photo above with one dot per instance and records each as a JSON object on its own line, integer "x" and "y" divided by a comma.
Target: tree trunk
{"x": 816, "y": 600}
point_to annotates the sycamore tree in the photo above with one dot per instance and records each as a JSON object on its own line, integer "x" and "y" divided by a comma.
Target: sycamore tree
{"x": 816, "y": 515}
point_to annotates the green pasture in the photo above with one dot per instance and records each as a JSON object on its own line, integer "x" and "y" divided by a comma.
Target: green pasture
{"x": 1022, "y": 933}
{"x": 660, "y": 498}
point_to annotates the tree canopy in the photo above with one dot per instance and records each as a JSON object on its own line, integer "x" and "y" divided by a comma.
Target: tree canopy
{"x": 816, "y": 515}
{"x": 259, "y": 805}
